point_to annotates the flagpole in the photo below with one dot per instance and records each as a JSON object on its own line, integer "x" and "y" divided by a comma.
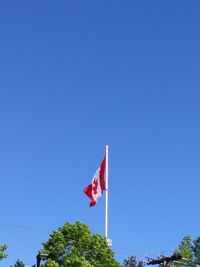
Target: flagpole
{"x": 106, "y": 201}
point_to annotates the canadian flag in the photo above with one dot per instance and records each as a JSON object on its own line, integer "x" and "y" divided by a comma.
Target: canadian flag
{"x": 98, "y": 185}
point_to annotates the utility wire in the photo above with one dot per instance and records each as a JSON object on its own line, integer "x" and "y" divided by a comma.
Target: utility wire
{"x": 24, "y": 227}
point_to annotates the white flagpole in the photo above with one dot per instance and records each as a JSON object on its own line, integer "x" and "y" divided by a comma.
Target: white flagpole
{"x": 106, "y": 201}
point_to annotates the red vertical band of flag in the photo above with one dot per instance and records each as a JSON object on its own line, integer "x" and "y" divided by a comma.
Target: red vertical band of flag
{"x": 98, "y": 185}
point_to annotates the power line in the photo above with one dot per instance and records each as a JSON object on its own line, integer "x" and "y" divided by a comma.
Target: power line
{"x": 30, "y": 228}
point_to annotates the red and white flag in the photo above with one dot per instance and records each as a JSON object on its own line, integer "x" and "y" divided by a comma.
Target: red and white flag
{"x": 98, "y": 185}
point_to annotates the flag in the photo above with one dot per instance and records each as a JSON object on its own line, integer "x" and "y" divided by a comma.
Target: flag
{"x": 98, "y": 184}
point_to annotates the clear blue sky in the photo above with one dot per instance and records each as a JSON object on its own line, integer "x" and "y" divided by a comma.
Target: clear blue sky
{"x": 77, "y": 75}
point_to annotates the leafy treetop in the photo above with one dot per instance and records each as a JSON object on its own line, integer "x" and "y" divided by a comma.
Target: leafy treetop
{"x": 18, "y": 264}
{"x": 73, "y": 245}
{"x": 2, "y": 251}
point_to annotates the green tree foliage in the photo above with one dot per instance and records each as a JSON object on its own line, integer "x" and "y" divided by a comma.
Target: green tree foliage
{"x": 51, "y": 263}
{"x": 132, "y": 262}
{"x": 196, "y": 251}
{"x": 185, "y": 249}
{"x": 2, "y": 251}
{"x": 190, "y": 252}
{"x": 18, "y": 264}
{"x": 73, "y": 245}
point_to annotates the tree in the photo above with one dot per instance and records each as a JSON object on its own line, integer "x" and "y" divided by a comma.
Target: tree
{"x": 189, "y": 251}
{"x": 185, "y": 249}
{"x": 51, "y": 263}
{"x": 18, "y": 264}
{"x": 132, "y": 262}
{"x": 73, "y": 245}
{"x": 196, "y": 251}
{"x": 2, "y": 251}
